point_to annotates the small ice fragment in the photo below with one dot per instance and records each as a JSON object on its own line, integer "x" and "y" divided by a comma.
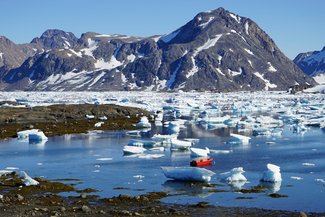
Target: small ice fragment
{"x": 97, "y": 166}
{"x": 12, "y": 168}
{"x": 96, "y": 171}
{"x": 151, "y": 156}
{"x": 104, "y": 159}
{"x": 296, "y": 177}
{"x": 39, "y": 164}
{"x": 234, "y": 175}
{"x": 99, "y": 124}
{"x": 308, "y": 164}
{"x": 90, "y": 116}
{"x": 138, "y": 176}
{"x": 103, "y": 118}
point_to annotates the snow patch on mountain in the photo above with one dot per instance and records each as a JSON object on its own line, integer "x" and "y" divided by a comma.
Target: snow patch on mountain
{"x": 268, "y": 84}
{"x": 92, "y": 46}
{"x": 235, "y": 17}
{"x": 111, "y": 64}
{"x": 210, "y": 43}
{"x": 203, "y": 25}
{"x": 271, "y": 67}
{"x": 249, "y": 51}
{"x": 246, "y": 28}
{"x": 235, "y": 73}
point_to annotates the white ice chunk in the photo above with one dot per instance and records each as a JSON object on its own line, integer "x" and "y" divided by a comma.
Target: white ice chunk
{"x": 99, "y": 124}
{"x": 243, "y": 139}
{"x": 308, "y": 164}
{"x": 133, "y": 149}
{"x": 180, "y": 144}
{"x": 27, "y": 180}
{"x": 199, "y": 152}
{"x": 144, "y": 122}
{"x": 195, "y": 174}
{"x": 104, "y": 159}
{"x": 272, "y": 174}
{"x": 234, "y": 175}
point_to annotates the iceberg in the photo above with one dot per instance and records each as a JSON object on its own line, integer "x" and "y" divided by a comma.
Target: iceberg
{"x": 234, "y": 175}
{"x": 272, "y": 174}
{"x": 240, "y": 138}
{"x": 37, "y": 136}
{"x": 194, "y": 174}
{"x": 144, "y": 122}
{"x": 133, "y": 150}
{"x": 27, "y": 180}
{"x": 180, "y": 144}
{"x": 173, "y": 127}
{"x": 21, "y": 135}
{"x": 199, "y": 152}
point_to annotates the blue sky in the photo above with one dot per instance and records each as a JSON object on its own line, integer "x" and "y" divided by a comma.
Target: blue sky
{"x": 295, "y": 25}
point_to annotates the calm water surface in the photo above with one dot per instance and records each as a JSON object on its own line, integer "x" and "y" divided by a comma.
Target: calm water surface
{"x": 96, "y": 159}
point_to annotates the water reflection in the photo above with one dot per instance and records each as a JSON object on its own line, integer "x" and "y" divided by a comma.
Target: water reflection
{"x": 272, "y": 187}
{"x": 186, "y": 188}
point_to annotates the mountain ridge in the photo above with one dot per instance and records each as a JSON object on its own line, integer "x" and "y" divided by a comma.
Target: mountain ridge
{"x": 216, "y": 50}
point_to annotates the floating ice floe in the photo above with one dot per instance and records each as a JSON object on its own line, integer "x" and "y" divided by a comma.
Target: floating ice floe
{"x": 104, "y": 159}
{"x": 213, "y": 151}
{"x": 27, "y": 180}
{"x": 144, "y": 122}
{"x": 199, "y": 152}
{"x": 150, "y": 156}
{"x": 234, "y": 175}
{"x": 272, "y": 174}
{"x": 5, "y": 172}
{"x": 180, "y": 144}
{"x": 173, "y": 127}
{"x": 133, "y": 149}
{"x": 308, "y": 164}
{"x": 240, "y": 138}
{"x": 194, "y": 174}
{"x": 296, "y": 177}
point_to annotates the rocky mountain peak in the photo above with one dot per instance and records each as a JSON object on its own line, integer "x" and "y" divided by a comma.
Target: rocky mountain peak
{"x": 312, "y": 63}
{"x": 54, "y": 38}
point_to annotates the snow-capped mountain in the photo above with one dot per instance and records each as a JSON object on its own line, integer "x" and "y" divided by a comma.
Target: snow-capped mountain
{"x": 216, "y": 50}
{"x": 313, "y": 64}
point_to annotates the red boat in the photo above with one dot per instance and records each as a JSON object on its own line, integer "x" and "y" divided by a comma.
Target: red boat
{"x": 203, "y": 161}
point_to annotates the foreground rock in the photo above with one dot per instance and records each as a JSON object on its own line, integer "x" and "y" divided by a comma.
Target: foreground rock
{"x": 44, "y": 200}
{"x": 67, "y": 119}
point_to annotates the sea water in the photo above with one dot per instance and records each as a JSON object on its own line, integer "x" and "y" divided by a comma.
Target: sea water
{"x": 96, "y": 160}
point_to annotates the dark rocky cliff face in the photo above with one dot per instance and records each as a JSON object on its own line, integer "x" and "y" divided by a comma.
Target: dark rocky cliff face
{"x": 216, "y": 50}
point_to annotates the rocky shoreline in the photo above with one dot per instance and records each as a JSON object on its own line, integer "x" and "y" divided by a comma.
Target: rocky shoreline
{"x": 57, "y": 120}
{"x": 44, "y": 199}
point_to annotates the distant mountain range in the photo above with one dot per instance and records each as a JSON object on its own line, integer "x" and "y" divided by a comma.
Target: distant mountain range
{"x": 217, "y": 50}
{"x": 312, "y": 63}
